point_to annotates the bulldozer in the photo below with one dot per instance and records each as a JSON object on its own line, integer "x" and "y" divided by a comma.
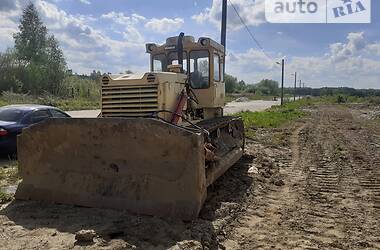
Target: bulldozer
{"x": 160, "y": 140}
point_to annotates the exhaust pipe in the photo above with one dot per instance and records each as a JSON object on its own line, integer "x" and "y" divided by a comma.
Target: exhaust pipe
{"x": 180, "y": 50}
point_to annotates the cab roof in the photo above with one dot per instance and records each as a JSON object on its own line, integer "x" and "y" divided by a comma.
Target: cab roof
{"x": 188, "y": 43}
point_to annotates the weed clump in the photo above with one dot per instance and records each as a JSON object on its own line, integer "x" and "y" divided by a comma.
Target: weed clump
{"x": 273, "y": 117}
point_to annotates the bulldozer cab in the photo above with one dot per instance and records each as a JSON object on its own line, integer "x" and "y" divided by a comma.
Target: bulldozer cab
{"x": 202, "y": 61}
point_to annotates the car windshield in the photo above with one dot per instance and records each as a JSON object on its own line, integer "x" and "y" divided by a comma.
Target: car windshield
{"x": 11, "y": 115}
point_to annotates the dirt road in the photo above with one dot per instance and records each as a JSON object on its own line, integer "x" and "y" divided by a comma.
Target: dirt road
{"x": 231, "y": 108}
{"x": 331, "y": 193}
{"x": 313, "y": 184}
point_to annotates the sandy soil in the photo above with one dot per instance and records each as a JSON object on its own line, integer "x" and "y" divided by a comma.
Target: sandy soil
{"x": 314, "y": 184}
{"x": 257, "y": 105}
{"x": 231, "y": 108}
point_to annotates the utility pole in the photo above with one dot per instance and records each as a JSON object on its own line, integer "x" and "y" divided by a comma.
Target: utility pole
{"x": 295, "y": 85}
{"x": 282, "y": 80}
{"x": 300, "y": 88}
{"x": 224, "y": 32}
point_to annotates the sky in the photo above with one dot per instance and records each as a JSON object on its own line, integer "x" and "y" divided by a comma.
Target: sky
{"x": 110, "y": 36}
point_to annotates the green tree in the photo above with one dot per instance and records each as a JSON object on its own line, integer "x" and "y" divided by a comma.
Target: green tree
{"x": 231, "y": 83}
{"x": 95, "y": 75}
{"x": 9, "y": 69}
{"x": 267, "y": 87}
{"x": 39, "y": 56}
{"x": 30, "y": 41}
{"x": 56, "y": 66}
{"x": 241, "y": 86}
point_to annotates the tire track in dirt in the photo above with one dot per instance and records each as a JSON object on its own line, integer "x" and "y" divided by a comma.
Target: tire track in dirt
{"x": 264, "y": 225}
{"x": 330, "y": 198}
{"x": 337, "y": 216}
{"x": 365, "y": 149}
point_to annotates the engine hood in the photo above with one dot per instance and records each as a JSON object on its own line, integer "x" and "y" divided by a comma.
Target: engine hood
{"x": 149, "y": 77}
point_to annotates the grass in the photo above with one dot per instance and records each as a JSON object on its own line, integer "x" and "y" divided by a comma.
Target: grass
{"x": 77, "y": 103}
{"x": 8, "y": 176}
{"x": 5, "y": 198}
{"x": 279, "y": 115}
{"x": 345, "y": 99}
{"x": 273, "y": 117}
{"x": 270, "y": 118}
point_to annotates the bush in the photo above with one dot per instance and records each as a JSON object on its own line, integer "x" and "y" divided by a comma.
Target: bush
{"x": 2, "y": 103}
{"x": 341, "y": 99}
{"x": 15, "y": 98}
{"x": 374, "y": 100}
{"x": 77, "y": 103}
{"x": 75, "y": 86}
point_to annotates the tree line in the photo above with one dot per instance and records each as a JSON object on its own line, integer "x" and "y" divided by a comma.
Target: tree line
{"x": 331, "y": 91}
{"x": 267, "y": 87}
{"x": 264, "y": 87}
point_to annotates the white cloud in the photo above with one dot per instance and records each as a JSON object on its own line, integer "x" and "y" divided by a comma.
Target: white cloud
{"x": 85, "y": 1}
{"x": 374, "y": 48}
{"x": 252, "y": 12}
{"x": 121, "y": 18}
{"x": 164, "y": 25}
{"x": 355, "y": 44}
{"x": 352, "y": 63}
{"x": 9, "y": 15}
{"x": 127, "y": 25}
{"x": 87, "y": 48}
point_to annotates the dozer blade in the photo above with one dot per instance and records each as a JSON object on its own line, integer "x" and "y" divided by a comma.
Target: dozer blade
{"x": 145, "y": 166}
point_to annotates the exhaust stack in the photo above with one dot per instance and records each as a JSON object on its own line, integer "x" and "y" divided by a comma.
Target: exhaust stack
{"x": 180, "y": 50}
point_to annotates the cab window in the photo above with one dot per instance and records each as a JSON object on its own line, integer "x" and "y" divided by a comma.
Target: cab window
{"x": 216, "y": 67}
{"x": 159, "y": 63}
{"x": 173, "y": 59}
{"x": 199, "y": 69}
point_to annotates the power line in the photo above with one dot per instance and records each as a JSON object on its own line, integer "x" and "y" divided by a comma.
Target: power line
{"x": 249, "y": 31}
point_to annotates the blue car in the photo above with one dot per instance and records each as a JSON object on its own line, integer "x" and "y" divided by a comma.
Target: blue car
{"x": 14, "y": 118}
